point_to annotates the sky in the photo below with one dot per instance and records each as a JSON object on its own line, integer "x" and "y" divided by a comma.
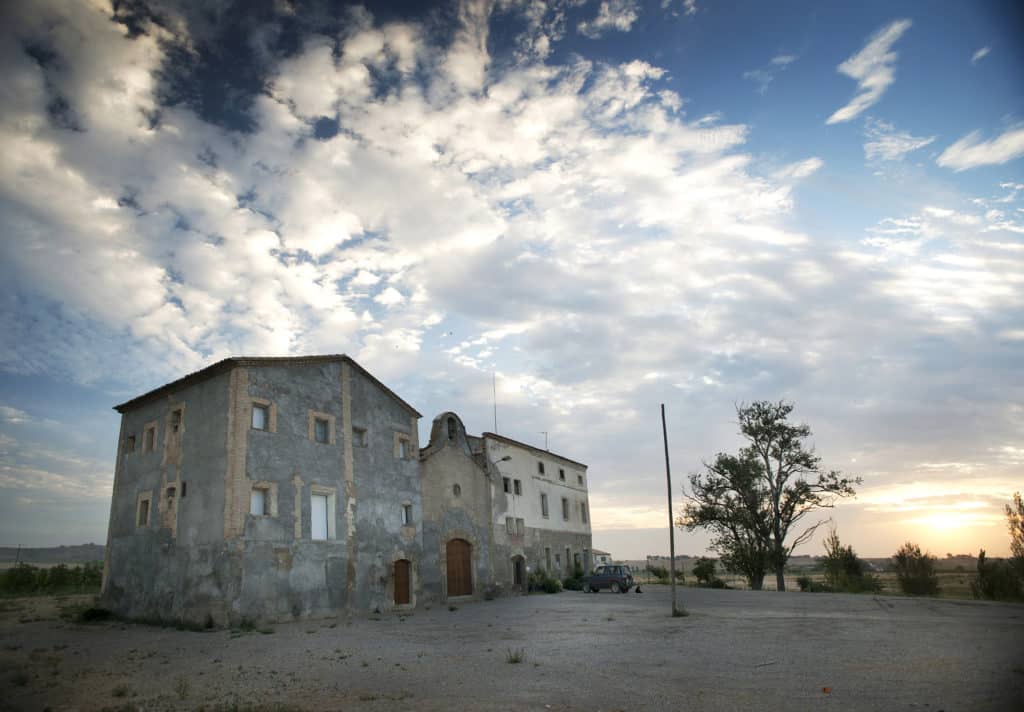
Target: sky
{"x": 597, "y": 207}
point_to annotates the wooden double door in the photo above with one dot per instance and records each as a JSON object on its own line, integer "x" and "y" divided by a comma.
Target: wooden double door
{"x": 459, "y": 556}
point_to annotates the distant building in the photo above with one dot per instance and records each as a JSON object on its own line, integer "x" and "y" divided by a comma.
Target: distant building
{"x": 601, "y": 557}
{"x": 280, "y": 488}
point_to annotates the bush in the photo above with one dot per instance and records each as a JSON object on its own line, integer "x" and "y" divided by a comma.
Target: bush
{"x": 915, "y": 571}
{"x": 659, "y": 572}
{"x": 704, "y": 570}
{"x": 24, "y": 579}
{"x": 572, "y": 584}
{"x": 804, "y": 582}
{"x": 996, "y": 581}
{"x": 844, "y": 571}
{"x": 718, "y": 583}
{"x": 539, "y": 580}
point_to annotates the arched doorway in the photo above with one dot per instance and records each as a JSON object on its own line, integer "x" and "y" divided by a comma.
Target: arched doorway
{"x": 519, "y": 572}
{"x": 402, "y": 569}
{"x": 460, "y": 576}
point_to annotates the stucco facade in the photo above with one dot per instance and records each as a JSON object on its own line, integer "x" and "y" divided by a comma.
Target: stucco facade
{"x": 281, "y": 488}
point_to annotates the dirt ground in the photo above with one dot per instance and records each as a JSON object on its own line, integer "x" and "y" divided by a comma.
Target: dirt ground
{"x": 737, "y": 650}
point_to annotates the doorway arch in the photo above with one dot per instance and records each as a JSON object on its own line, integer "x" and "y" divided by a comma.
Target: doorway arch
{"x": 519, "y": 573}
{"x": 402, "y": 578}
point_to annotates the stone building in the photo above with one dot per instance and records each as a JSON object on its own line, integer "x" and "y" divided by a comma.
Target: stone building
{"x": 280, "y": 488}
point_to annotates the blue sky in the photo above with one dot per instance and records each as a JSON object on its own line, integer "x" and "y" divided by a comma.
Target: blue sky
{"x": 605, "y": 205}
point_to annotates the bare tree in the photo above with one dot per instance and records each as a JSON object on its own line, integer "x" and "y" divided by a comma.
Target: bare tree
{"x": 754, "y": 501}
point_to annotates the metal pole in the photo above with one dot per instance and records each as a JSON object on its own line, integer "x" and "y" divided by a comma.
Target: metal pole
{"x": 494, "y": 399}
{"x": 671, "y": 523}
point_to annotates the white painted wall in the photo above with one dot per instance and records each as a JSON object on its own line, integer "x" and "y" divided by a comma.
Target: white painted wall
{"x": 522, "y": 466}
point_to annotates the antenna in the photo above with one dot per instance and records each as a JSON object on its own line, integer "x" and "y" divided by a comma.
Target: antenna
{"x": 545, "y": 434}
{"x": 494, "y": 398}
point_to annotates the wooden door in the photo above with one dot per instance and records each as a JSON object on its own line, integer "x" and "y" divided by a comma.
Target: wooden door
{"x": 460, "y": 578}
{"x": 401, "y": 582}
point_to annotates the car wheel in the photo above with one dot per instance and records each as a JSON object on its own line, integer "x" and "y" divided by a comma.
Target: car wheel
{"x": 615, "y": 587}
{"x": 595, "y": 589}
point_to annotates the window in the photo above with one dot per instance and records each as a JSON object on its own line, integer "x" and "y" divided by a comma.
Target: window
{"x": 322, "y": 512}
{"x": 406, "y": 515}
{"x": 544, "y": 505}
{"x": 540, "y": 468}
{"x": 320, "y": 430}
{"x": 558, "y": 561}
{"x": 403, "y": 446}
{"x": 259, "y": 502}
{"x": 176, "y": 420}
{"x": 149, "y": 438}
{"x": 547, "y": 558}
{"x": 583, "y": 512}
{"x": 260, "y": 417}
{"x": 520, "y": 527}
{"x": 170, "y": 496}
{"x": 321, "y": 427}
{"x": 579, "y": 479}
{"x": 359, "y": 438}
{"x": 451, "y": 428}
{"x": 517, "y": 486}
{"x": 565, "y": 509}
{"x": 184, "y": 489}
{"x": 510, "y": 525}
{"x": 129, "y": 444}
{"x": 142, "y": 514}
{"x": 507, "y": 484}
{"x": 561, "y": 474}
{"x": 457, "y": 490}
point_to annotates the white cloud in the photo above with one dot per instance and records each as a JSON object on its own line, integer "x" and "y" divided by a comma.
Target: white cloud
{"x": 886, "y": 143}
{"x": 873, "y": 67}
{"x": 971, "y": 151}
{"x": 980, "y": 54}
{"x": 766, "y": 75}
{"x": 616, "y": 15}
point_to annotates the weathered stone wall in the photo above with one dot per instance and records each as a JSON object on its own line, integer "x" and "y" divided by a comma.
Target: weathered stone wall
{"x": 176, "y": 564}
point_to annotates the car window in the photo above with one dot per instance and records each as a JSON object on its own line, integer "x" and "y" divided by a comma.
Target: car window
{"x": 600, "y": 570}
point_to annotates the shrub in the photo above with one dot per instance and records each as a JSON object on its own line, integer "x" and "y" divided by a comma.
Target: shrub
{"x": 915, "y": 570}
{"x": 704, "y": 570}
{"x": 572, "y": 584}
{"x": 659, "y": 572}
{"x": 718, "y": 583}
{"x": 540, "y": 580}
{"x": 996, "y": 581}
{"x": 24, "y": 579}
{"x": 844, "y": 571}
{"x": 804, "y": 582}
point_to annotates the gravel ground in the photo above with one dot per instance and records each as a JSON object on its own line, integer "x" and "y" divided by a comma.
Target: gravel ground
{"x": 737, "y": 650}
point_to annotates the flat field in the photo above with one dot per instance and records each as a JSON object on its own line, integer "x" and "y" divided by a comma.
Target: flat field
{"x": 737, "y": 650}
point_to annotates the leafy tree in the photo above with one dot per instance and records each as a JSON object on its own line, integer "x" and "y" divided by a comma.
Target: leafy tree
{"x": 752, "y": 501}
{"x": 1015, "y": 521}
{"x": 996, "y": 580}
{"x": 915, "y": 570}
{"x": 704, "y": 570}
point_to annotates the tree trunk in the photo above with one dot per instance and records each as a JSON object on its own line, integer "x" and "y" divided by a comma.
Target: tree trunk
{"x": 780, "y": 579}
{"x": 756, "y": 582}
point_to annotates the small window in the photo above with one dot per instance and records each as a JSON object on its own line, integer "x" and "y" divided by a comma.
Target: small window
{"x": 510, "y": 525}
{"x": 579, "y": 479}
{"x": 129, "y": 444}
{"x": 171, "y": 491}
{"x": 558, "y": 561}
{"x": 184, "y": 489}
{"x": 583, "y": 512}
{"x": 259, "y": 502}
{"x": 406, "y": 515}
{"x": 507, "y": 484}
{"x": 520, "y": 527}
{"x": 543, "y": 505}
{"x": 319, "y": 517}
{"x": 359, "y": 438}
{"x": 565, "y": 509}
{"x": 321, "y": 433}
{"x": 149, "y": 439}
{"x": 176, "y": 420}
{"x": 517, "y": 486}
{"x": 540, "y": 468}
{"x": 143, "y": 518}
{"x": 260, "y": 417}
{"x": 457, "y": 490}
{"x": 403, "y": 448}
{"x": 561, "y": 474}
{"x": 451, "y": 428}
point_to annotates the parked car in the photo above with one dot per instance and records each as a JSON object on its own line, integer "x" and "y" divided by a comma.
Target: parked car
{"x": 617, "y": 578}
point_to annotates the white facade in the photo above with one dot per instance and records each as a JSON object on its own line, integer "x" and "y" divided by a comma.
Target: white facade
{"x": 561, "y": 479}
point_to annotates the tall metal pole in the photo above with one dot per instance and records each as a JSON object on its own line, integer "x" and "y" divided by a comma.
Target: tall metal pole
{"x": 494, "y": 399}
{"x": 671, "y": 523}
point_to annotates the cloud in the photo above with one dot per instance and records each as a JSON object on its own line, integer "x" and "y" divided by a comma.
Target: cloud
{"x": 765, "y": 75}
{"x": 616, "y": 15}
{"x": 980, "y": 54}
{"x": 971, "y": 151}
{"x": 886, "y": 143}
{"x": 873, "y": 67}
